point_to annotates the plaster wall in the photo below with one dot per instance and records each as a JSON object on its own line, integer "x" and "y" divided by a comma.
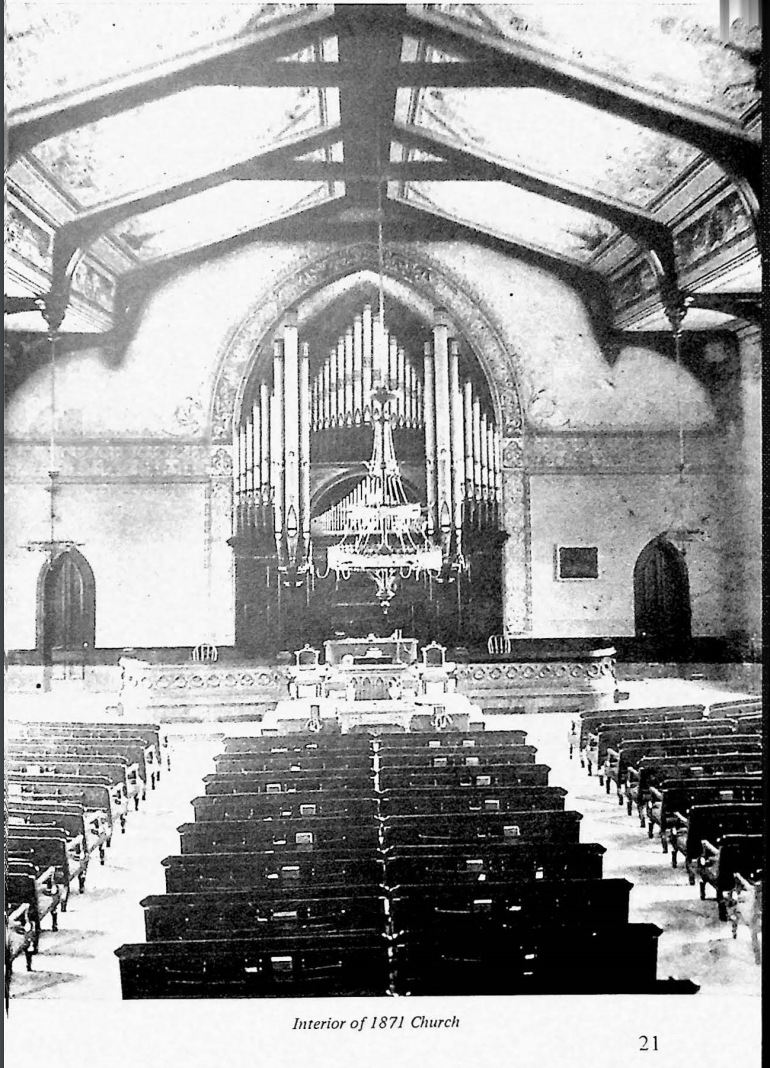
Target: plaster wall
{"x": 153, "y": 519}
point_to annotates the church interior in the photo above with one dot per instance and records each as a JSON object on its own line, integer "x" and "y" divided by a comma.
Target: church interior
{"x": 383, "y": 582}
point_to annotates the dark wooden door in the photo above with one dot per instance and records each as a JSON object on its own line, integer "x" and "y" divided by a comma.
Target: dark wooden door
{"x": 662, "y": 593}
{"x": 68, "y": 606}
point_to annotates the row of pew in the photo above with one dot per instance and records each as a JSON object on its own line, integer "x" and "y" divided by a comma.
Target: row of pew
{"x": 67, "y": 788}
{"x": 404, "y": 864}
{"x": 694, "y": 776}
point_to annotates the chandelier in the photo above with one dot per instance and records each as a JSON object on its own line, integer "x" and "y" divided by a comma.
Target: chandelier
{"x": 384, "y": 534}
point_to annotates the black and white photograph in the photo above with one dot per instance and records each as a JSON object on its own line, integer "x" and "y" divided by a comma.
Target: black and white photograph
{"x": 383, "y": 533}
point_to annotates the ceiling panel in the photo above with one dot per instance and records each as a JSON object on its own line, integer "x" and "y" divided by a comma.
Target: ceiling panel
{"x": 515, "y": 215}
{"x": 175, "y": 138}
{"x": 58, "y": 46}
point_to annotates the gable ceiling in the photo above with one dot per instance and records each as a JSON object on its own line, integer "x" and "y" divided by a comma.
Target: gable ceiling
{"x": 178, "y": 129}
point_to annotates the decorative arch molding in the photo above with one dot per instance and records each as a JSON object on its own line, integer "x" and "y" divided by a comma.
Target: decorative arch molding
{"x": 418, "y": 272}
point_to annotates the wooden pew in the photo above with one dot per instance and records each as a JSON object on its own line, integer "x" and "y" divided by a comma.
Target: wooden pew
{"x": 495, "y": 776}
{"x": 743, "y": 901}
{"x": 710, "y": 823}
{"x": 484, "y": 909}
{"x": 234, "y": 836}
{"x": 111, "y": 771}
{"x": 24, "y": 856}
{"x": 354, "y": 964}
{"x": 255, "y": 915}
{"x": 654, "y": 770}
{"x": 93, "y": 794}
{"x": 591, "y": 719}
{"x": 722, "y": 862}
{"x": 287, "y": 872}
{"x": 282, "y": 763}
{"x": 149, "y": 734}
{"x": 507, "y": 827}
{"x": 611, "y": 740}
{"x": 460, "y": 758}
{"x": 633, "y": 750}
{"x": 69, "y": 819}
{"x": 670, "y": 804}
{"x": 452, "y": 740}
{"x": 734, "y": 706}
{"x": 22, "y": 922}
{"x": 548, "y": 961}
{"x": 283, "y": 805}
{"x": 59, "y": 751}
{"x": 299, "y": 745}
{"x": 439, "y": 800}
{"x": 474, "y": 864}
{"x": 358, "y": 782}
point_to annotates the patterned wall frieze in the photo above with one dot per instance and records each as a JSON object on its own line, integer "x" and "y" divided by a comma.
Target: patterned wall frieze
{"x": 184, "y": 680}
{"x": 221, "y": 462}
{"x": 105, "y": 461}
{"x": 621, "y": 453}
{"x": 527, "y": 677}
{"x": 431, "y": 282}
{"x": 723, "y": 229}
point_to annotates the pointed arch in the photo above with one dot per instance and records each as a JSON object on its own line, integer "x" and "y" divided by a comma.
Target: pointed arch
{"x": 66, "y": 605}
{"x": 662, "y": 609}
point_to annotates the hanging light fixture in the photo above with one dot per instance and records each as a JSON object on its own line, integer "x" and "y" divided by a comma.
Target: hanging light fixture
{"x": 384, "y": 535}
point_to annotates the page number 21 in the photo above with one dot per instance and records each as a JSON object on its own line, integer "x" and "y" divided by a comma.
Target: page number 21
{"x": 648, "y": 1042}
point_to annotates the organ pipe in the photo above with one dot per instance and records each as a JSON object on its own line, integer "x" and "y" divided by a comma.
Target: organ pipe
{"x": 291, "y": 426}
{"x": 430, "y": 441}
{"x": 484, "y": 457}
{"x": 477, "y": 482}
{"x": 443, "y": 440}
{"x": 458, "y": 444}
{"x": 367, "y": 358}
{"x": 340, "y": 361}
{"x": 265, "y": 473}
{"x": 358, "y": 369}
{"x": 304, "y": 444}
{"x": 349, "y": 402}
{"x": 277, "y": 442}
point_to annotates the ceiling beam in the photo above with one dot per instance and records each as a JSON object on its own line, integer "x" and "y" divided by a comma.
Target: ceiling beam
{"x": 742, "y": 305}
{"x": 29, "y": 126}
{"x": 367, "y": 103}
{"x": 734, "y": 148}
{"x": 325, "y": 74}
{"x": 650, "y": 232}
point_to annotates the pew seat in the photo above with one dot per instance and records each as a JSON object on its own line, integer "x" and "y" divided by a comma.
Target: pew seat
{"x": 723, "y": 859}
{"x": 191, "y": 873}
{"x": 352, "y": 964}
{"x": 504, "y": 827}
{"x": 253, "y": 914}
{"x": 440, "y": 801}
{"x": 483, "y": 861}
{"x": 307, "y": 833}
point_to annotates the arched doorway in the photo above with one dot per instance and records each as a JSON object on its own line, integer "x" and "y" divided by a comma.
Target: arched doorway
{"x": 67, "y": 607}
{"x": 662, "y": 593}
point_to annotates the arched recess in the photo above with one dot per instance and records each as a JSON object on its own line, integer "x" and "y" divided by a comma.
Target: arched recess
{"x": 419, "y": 273}
{"x": 249, "y": 348}
{"x": 66, "y": 606}
{"x": 662, "y": 609}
